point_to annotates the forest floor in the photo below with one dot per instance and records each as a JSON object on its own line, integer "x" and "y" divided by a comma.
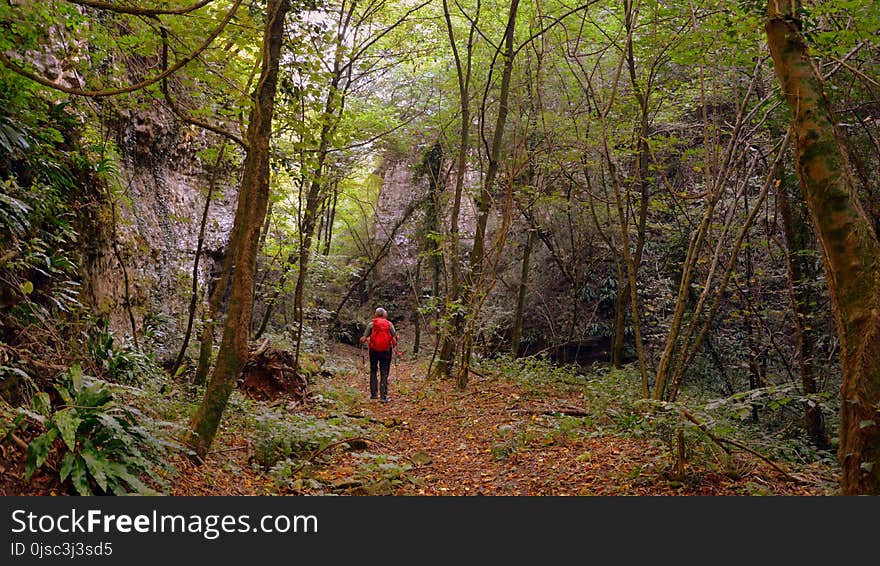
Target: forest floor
{"x": 502, "y": 435}
{"x": 496, "y": 437}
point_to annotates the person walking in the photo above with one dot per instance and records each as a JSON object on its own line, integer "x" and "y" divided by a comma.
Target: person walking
{"x": 382, "y": 338}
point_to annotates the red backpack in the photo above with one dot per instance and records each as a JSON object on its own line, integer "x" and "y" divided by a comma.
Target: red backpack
{"x": 380, "y": 338}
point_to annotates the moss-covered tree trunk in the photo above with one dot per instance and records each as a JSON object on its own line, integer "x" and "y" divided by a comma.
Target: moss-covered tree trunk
{"x": 253, "y": 200}
{"x": 851, "y": 249}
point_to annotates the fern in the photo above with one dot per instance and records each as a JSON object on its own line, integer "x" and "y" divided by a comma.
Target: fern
{"x": 104, "y": 443}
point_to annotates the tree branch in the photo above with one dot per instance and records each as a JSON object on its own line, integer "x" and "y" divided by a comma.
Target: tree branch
{"x": 136, "y": 11}
{"x": 16, "y": 68}
{"x": 188, "y": 118}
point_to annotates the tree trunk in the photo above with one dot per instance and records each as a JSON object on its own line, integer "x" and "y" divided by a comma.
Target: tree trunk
{"x": 329, "y": 120}
{"x": 331, "y": 218}
{"x": 620, "y": 303}
{"x": 416, "y": 315}
{"x": 475, "y": 274}
{"x": 194, "y": 296}
{"x": 516, "y": 331}
{"x": 446, "y": 352}
{"x": 851, "y": 249}
{"x": 753, "y": 349}
{"x": 206, "y": 347}
{"x": 272, "y": 302}
{"x": 800, "y": 258}
{"x": 643, "y": 169}
{"x": 253, "y": 200}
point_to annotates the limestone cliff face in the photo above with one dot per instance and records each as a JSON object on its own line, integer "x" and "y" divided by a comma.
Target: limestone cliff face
{"x": 165, "y": 183}
{"x": 404, "y": 182}
{"x": 163, "y": 186}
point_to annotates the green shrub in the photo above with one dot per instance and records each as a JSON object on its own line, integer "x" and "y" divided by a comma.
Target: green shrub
{"x": 533, "y": 371}
{"x": 374, "y": 467}
{"x": 121, "y": 362}
{"x": 106, "y": 444}
{"x": 281, "y": 437}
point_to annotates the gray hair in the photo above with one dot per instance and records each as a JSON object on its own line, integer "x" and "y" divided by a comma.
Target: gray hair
{"x": 381, "y": 312}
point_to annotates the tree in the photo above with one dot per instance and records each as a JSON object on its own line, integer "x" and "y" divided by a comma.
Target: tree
{"x": 445, "y": 353}
{"x": 253, "y": 200}
{"x": 849, "y": 244}
{"x": 800, "y": 260}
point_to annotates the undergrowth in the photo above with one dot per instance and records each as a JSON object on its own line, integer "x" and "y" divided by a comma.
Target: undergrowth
{"x": 617, "y": 407}
{"x": 95, "y": 437}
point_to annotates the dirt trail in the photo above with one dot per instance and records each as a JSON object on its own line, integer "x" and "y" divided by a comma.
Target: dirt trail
{"x": 495, "y": 438}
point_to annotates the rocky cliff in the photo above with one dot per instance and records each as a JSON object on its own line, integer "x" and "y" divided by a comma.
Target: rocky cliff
{"x": 164, "y": 183}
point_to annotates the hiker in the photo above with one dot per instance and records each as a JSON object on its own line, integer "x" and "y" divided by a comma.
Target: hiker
{"x": 382, "y": 339}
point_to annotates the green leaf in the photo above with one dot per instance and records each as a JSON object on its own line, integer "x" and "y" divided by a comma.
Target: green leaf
{"x": 95, "y": 464}
{"x": 27, "y": 287}
{"x": 66, "y": 465}
{"x": 16, "y": 422}
{"x": 79, "y": 477}
{"x": 76, "y": 377}
{"x": 42, "y": 404}
{"x": 37, "y": 452}
{"x": 67, "y": 423}
{"x": 64, "y": 393}
{"x": 94, "y": 395}
{"x": 120, "y": 471}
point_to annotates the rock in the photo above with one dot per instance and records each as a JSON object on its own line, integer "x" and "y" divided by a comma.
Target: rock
{"x": 347, "y": 332}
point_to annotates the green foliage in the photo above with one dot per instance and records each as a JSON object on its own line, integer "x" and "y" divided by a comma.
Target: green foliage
{"x": 616, "y": 406}
{"x": 282, "y": 436}
{"x": 121, "y": 362}
{"x": 341, "y": 397}
{"x": 536, "y": 370}
{"x": 39, "y": 169}
{"x": 388, "y": 467}
{"x": 107, "y": 446}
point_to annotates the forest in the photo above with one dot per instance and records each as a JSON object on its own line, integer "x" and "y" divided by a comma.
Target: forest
{"x": 627, "y": 248}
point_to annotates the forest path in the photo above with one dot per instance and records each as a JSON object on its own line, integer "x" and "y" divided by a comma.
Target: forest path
{"x": 499, "y": 437}
{"x": 458, "y": 429}
{"x": 496, "y": 437}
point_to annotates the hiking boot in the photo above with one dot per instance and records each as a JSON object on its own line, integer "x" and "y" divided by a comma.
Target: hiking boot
{"x": 384, "y": 399}
{"x": 373, "y": 397}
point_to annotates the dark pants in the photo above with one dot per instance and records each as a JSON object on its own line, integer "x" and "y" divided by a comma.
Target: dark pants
{"x": 382, "y": 360}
